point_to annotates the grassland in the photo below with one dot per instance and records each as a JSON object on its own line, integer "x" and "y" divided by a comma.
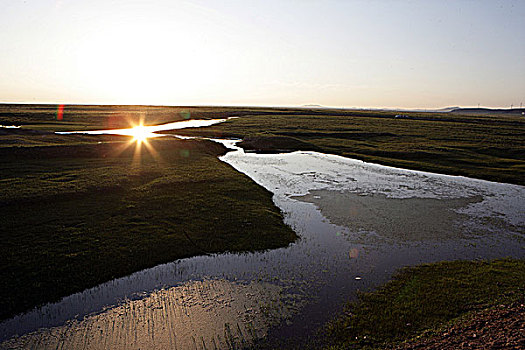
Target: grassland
{"x": 78, "y": 214}
{"x": 486, "y": 147}
{"x": 421, "y": 300}
{"x": 478, "y": 144}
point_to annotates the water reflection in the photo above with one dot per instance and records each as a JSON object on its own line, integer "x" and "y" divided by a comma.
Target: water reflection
{"x": 337, "y": 254}
{"x": 217, "y": 313}
{"x": 151, "y": 130}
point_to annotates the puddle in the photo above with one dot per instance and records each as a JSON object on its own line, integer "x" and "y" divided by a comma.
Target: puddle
{"x": 357, "y": 223}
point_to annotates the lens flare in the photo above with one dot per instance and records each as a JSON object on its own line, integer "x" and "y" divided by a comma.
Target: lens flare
{"x": 139, "y": 133}
{"x": 60, "y": 112}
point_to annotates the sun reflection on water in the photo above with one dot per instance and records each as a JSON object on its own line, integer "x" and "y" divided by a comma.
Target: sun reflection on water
{"x": 140, "y": 133}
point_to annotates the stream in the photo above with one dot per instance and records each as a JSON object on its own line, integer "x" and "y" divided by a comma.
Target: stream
{"x": 357, "y": 222}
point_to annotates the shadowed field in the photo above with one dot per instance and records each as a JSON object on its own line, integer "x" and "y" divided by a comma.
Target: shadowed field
{"x": 75, "y": 216}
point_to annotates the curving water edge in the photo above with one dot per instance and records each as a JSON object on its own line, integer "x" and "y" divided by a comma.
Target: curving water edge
{"x": 346, "y": 243}
{"x": 152, "y": 130}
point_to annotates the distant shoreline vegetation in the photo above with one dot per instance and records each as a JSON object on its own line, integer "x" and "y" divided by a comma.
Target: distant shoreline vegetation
{"x": 481, "y": 143}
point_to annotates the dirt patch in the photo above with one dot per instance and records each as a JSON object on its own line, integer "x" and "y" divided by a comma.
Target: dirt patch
{"x": 499, "y": 328}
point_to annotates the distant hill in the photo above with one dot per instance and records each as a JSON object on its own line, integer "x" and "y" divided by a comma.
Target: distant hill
{"x": 447, "y": 109}
{"x": 313, "y": 106}
{"x": 485, "y": 111}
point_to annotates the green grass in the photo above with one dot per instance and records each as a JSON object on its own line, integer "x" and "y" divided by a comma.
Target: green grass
{"x": 76, "y": 216}
{"x": 485, "y": 147}
{"x": 424, "y": 298}
{"x": 76, "y": 213}
{"x": 79, "y": 117}
{"x": 96, "y": 117}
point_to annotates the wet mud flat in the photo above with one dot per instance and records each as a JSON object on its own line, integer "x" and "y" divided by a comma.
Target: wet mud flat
{"x": 357, "y": 222}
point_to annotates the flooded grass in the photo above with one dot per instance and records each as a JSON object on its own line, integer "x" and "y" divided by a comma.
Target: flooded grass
{"x": 424, "y": 298}
{"x": 488, "y": 146}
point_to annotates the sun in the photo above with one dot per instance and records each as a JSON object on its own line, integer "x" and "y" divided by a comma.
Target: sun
{"x": 140, "y": 133}
{"x": 140, "y": 137}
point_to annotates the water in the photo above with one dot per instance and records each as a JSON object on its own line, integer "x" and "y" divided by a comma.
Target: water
{"x": 151, "y": 130}
{"x": 357, "y": 222}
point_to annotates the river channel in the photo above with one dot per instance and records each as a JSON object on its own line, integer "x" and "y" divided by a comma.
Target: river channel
{"x": 357, "y": 222}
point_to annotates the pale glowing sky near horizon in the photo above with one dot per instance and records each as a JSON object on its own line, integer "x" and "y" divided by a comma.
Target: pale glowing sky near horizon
{"x": 409, "y": 54}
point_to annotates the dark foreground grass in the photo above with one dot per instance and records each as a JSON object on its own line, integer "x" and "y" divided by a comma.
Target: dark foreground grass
{"x": 76, "y": 216}
{"x": 425, "y": 298}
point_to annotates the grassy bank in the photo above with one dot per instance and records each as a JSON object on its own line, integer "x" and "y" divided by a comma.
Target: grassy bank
{"x": 422, "y": 299}
{"x": 487, "y": 147}
{"x": 74, "y": 216}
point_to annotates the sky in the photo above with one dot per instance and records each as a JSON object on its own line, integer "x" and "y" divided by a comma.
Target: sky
{"x": 370, "y": 54}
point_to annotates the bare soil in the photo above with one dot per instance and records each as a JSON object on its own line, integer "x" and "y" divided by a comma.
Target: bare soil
{"x": 502, "y": 327}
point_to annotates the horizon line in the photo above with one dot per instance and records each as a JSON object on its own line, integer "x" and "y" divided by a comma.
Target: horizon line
{"x": 310, "y": 106}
